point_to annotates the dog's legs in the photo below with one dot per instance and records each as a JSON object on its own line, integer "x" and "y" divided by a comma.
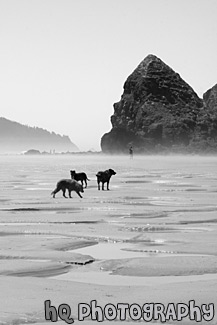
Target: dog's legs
{"x": 79, "y": 194}
{"x": 85, "y": 182}
{"x": 70, "y": 194}
{"x": 102, "y": 186}
{"x": 107, "y": 186}
{"x": 98, "y": 185}
{"x": 64, "y": 192}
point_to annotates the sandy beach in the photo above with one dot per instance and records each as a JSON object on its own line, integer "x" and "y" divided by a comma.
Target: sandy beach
{"x": 151, "y": 239}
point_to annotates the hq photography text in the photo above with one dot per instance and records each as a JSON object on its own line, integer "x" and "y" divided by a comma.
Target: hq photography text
{"x": 124, "y": 311}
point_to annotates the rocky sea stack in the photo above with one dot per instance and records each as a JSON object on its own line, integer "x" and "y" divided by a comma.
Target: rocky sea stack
{"x": 159, "y": 111}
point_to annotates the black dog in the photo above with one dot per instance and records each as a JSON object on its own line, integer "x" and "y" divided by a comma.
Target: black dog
{"x": 104, "y": 177}
{"x": 79, "y": 177}
{"x": 70, "y": 185}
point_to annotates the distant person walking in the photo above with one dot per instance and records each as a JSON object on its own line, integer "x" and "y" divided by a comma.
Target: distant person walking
{"x": 131, "y": 152}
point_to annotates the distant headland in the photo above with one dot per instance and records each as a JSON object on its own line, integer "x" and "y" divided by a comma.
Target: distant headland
{"x": 17, "y": 138}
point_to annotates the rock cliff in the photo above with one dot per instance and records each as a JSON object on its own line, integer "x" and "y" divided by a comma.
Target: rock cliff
{"x": 158, "y": 109}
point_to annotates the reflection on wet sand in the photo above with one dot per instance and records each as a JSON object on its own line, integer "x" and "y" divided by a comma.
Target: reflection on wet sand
{"x": 105, "y": 278}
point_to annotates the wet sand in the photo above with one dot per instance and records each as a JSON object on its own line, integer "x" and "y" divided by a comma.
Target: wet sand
{"x": 151, "y": 238}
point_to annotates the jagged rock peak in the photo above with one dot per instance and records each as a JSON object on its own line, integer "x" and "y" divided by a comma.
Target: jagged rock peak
{"x": 144, "y": 65}
{"x": 210, "y": 97}
{"x": 155, "y": 80}
{"x": 157, "y": 107}
{"x": 149, "y": 61}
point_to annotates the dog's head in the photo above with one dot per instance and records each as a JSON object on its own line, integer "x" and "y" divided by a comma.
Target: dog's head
{"x": 79, "y": 187}
{"x": 72, "y": 172}
{"x": 112, "y": 172}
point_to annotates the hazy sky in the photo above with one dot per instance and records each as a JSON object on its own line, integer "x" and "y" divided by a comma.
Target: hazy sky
{"x": 63, "y": 63}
